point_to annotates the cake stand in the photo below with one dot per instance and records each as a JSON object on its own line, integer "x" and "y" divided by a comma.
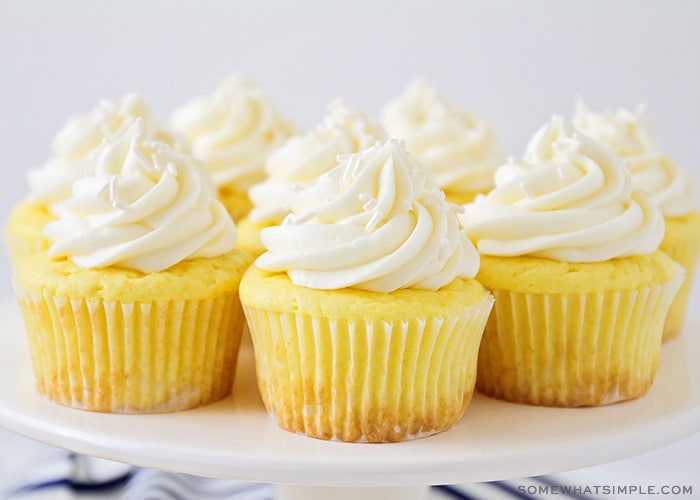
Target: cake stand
{"x": 236, "y": 439}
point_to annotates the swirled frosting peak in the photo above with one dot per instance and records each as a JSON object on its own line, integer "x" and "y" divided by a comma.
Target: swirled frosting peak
{"x": 144, "y": 207}
{"x": 570, "y": 199}
{"x": 628, "y": 134}
{"x": 304, "y": 158}
{"x": 77, "y": 143}
{"x": 233, "y": 131}
{"x": 460, "y": 148}
{"x": 375, "y": 222}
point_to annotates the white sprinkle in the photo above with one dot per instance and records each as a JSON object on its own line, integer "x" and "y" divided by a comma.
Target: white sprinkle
{"x": 103, "y": 189}
{"x": 113, "y": 189}
{"x": 373, "y": 221}
{"x": 457, "y": 208}
{"x": 370, "y": 201}
{"x": 171, "y": 169}
{"x": 526, "y": 189}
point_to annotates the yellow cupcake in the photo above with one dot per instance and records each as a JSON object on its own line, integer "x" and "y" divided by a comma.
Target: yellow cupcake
{"x": 23, "y": 231}
{"x": 118, "y": 340}
{"x": 232, "y": 132}
{"x": 569, "y": 251}
{"x": 134, "y": 308}
{"x": 682, "y": 243}
{"x": 354, "y": 365}
{"x": 628, "y": 134}
{"x": 573, "y": 334}
{"x": 363, "y": 312}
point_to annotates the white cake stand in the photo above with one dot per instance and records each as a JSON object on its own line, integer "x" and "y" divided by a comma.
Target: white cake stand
{"x": 236, "y": 439}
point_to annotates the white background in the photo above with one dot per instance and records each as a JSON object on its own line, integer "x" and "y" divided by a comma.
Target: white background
{"x": 514, "y": 62}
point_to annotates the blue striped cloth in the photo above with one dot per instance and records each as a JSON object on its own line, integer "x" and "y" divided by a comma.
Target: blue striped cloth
{"x": 65, "y": 475}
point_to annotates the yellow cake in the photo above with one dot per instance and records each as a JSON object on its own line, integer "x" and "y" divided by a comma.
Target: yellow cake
{"x": 134, "y": 307}
{"x": 23, "y": 230}
{"x": 460, "y": 148}
{"x": 628, "y": 134}
{"x": 570, "y": 251}
{"x": 249, "y": 235}
{"x": 232, "y": 132}
{"x": 364, "y": 315}
{"x": 682, "y": 243}
{"x": 118, "y": 340}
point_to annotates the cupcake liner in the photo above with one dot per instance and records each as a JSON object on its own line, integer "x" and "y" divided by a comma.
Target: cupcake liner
{"x": 366, "y": 381}
{"x": 574, "y": 349}
{"x": 687, "y": 256}
{"x": 159, "y": 356}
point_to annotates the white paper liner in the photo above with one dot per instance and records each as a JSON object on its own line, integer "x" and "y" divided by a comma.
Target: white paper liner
{"x": 366, "y": 381}
{"x": 574, "y": 349}
{"x": 116, "y": 357}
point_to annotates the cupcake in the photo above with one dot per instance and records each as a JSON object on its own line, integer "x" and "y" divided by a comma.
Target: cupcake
{"x": 363, "y": 311}
{"x": 629, "y": 136}
{"x": 232, "y": 132}
{"x": 134, "y": 307}
{"x": 460, "y": 148}
{"x": 299, "y": 162}
{"x": 74, "y": 149}
{"x": 570, "y": 251}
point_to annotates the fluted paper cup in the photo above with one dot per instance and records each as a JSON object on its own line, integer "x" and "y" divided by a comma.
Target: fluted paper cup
{"x": 578, "y": 349}
{"x": 686, "y": 254}
{"x": 367, "y": 381}
{"x": 158, "y": 356}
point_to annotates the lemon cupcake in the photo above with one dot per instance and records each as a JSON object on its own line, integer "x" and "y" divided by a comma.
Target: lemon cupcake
{"x": 460, "y": 148}
{"x": 629, "y": 136}
{"x": 300, "y": 161}
{"x": 73, "y": 153}
{"x": 569, "y": 250}
{"x": 364, "y": 313}
{"x": 134, "y": 308}
{"x": 232, "y": 132}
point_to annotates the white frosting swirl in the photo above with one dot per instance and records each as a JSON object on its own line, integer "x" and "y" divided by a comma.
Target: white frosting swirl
{"x": 461, "y": 149}
{"x": 302, "y": 159}
{"x": 145, "y": 207}
{"x": 75, "y": 146}
{"x": 233, "y": 131}
{"x": 629, "y": 136}
{"x": 375, "y": 222}
{"x": 571, "y": 200}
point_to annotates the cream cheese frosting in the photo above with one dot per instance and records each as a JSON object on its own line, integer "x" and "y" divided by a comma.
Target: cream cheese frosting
{"x": 233, "y": 131}
{"x": 628, "y": 134}
{"x": 302, "y": 159}
{"x": 375, "y": 222}
{"x": 145, "y": 207}
{"x": 77, "y": 143}
{"x": 460, "y": 148}
{"x": 570, "y": 199}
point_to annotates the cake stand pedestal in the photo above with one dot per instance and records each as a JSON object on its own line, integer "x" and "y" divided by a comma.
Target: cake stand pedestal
{"x": 234, "y": 438}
